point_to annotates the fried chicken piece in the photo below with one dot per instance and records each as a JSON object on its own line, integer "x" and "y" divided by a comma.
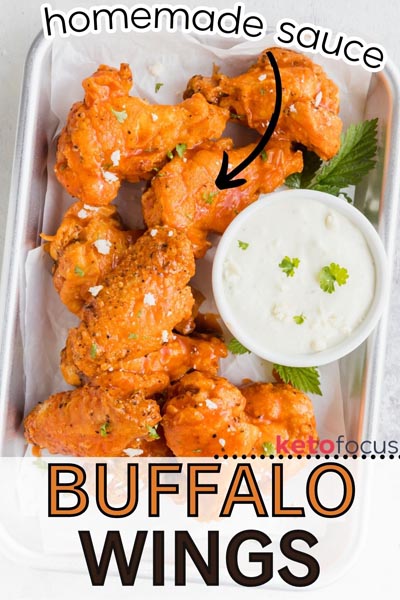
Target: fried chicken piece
{"x": 142, "y": 300}
{"x": 89, "y": 243}
{"x": 310, "y": 101}
{"x": 111, "y": 136}
{"x": 185, "y": 195}
{"x": 154, "y": 372}
{"x": 204, "y": 416}
{"x": 278, "y": 409}
{"x": 92, "y": 421}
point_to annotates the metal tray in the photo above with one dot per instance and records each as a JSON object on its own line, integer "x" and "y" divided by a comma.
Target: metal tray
{"x": 361, "y": 372}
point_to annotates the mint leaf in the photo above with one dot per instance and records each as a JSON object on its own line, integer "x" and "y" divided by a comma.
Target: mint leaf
{"x": 235, "y": 347}
{"x": 311, "y": 163}
{"x": 305, "y": 379}
{"x": 354, "y": 160}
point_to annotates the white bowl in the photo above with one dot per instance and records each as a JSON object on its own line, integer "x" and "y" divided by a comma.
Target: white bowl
{"x": 358, "y": 335}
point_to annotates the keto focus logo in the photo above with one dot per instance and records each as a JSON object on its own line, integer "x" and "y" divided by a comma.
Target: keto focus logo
{"x": 312, "y": 446}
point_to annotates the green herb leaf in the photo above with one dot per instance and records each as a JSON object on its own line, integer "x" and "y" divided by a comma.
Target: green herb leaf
{"x": 264, "y": 155}
{"x": 104, "y": 429}
{"x": 262, "y": 91}
{"x": 330, "y": 275}
{"x": 180, "y": 149}
{"x": 243, "y": 245}
{"x": 170, "y": 155}
{"x": 93, "y": 351}
{"x": 355, "y": 158}
{"x": 208, "y": 197}
{"x": 153, "y": 432}
{"x": 158, "y": 87}
{"x": 121, "y": 115}
{"x": 268, "y": 448}
{"x": 305, "y": 379}
{"x": 299, "y": 319}
{"x": 288, "y": 265}
{"x": 235, "y": 347}
{"x": 311, "y": 162}
{"x": 78, "y": 271}
{"x": 132, "y": 336}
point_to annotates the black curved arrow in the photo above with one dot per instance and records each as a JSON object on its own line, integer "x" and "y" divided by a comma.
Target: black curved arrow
{"x": 225, "y": 180}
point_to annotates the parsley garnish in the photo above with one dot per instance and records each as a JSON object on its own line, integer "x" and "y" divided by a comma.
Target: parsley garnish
{"x": 93, "y": 351}
{"x": 153, "y": 432}
{"x": 132, "y": 336}
{"x": 170, "y": 155}
{"x": 78, "y": 271}
{"x": 158, "y": 87}
{"x": 305, "y": 379}
{"x": 288, "y": 265}
{"x": 121, "y": 115}
{"x": 104, "y": 429}
{"x": 235, "y": 347}
{"x": 264, "y": 155}
{"x": 235, "y": 116}
{"x": 299, "y": 319}
{"x": 243, "y": 245}
{"x": 268, "y": 448}
{"x": 208, "y": 197}
{"x": 331, "y": 275}
{"x": 180, "y": 149}
{"x": 354, "y": 160}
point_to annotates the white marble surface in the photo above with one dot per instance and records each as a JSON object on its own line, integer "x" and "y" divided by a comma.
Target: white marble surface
{"x": 369, "y": 19}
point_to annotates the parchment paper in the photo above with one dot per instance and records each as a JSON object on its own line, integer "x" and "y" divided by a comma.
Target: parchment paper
{"x": 170, "y": 59}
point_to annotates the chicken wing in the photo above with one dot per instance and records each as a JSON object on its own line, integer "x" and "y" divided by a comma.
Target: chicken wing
{"x": 184, "y": 194}
{"x": 111, "y": 136}
{"x": 91, "y": 421}
{"x": 204, "y": 416}
{"x": 278, "y": 409}
{"x": 142, "y": 300}
{"x": 154, "y": 372}
{"x": 310, "y": 101}
{"x": 89, "y": 243}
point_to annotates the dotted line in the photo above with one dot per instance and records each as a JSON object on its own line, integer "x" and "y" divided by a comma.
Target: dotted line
{"x": 307, "y": 456}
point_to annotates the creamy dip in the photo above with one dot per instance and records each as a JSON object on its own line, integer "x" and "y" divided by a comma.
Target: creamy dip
{"x": 292, "y": 314}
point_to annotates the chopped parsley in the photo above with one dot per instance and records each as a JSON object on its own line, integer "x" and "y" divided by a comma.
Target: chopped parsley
{"x": 330, "y": 275}
{"x": 121, "y": 115}
{"x": 93, "y": 351}
{"x": 158, "y": 87}
{"x": 78, "y": 271}
{"x": 243, "y": 245}
{"x": 299, "y": 319}
{"x": 288, "y": 265}
{"x": 238, "y": 117}
{"x": 104, "y": 429}
{"x": 208, "y": 197}
{"x": 262, "y": 91}
{"x": 235, "y": 347}
{"x": 268, "y": 448}
{"x": 305, "y": 379}
{"x": 153, "y": 432}
{"x": 132, "y": 336}
{"x": 264, "y": 155}
{"x": 180, "y": 149}
{"x": 170, "y": 155}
